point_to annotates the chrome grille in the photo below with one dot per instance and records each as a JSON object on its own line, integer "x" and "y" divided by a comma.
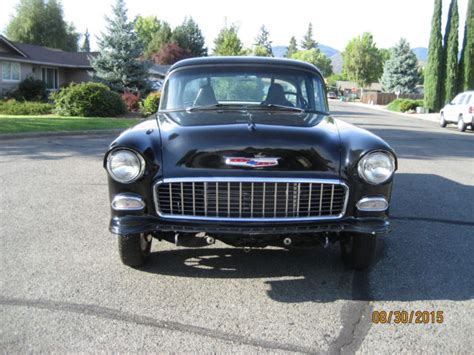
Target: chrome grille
{"x": 250, "y": 199}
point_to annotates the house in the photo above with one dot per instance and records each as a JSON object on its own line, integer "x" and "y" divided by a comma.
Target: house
{"x": 54, "y": 66}
{"x": 352, "y": 87}
{"x": 157, "y": 73}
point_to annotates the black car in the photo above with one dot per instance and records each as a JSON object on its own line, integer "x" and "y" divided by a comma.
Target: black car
{"x": 244, "y": 150}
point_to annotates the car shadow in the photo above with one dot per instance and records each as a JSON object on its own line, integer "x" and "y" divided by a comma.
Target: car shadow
{"x": 428, "y": 256}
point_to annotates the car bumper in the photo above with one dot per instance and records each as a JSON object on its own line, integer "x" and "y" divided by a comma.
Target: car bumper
{"x": 132, "y": 224}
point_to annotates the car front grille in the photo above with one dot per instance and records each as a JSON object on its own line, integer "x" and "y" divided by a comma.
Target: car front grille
{"x": 242, "y": 199}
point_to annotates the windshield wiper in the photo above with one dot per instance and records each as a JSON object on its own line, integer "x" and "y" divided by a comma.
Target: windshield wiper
{"x": 283, "y": 108}
{"x": 203, "y": 108}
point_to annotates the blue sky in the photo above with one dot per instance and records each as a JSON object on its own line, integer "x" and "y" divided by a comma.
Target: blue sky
{"x": 335, "y": 22}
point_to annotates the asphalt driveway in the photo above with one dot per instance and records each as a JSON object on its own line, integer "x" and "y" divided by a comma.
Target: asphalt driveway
{"x": 63, "y": 287}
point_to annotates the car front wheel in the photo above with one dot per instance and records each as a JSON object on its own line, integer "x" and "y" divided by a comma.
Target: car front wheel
{"x": 461, "y": 125}
{"x": 358, "y": 250}
{"x": 442, "y": 121}
{"x": 134, "y": 249}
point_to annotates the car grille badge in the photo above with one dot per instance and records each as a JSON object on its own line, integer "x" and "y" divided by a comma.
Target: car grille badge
{"x": 259, "y": 161}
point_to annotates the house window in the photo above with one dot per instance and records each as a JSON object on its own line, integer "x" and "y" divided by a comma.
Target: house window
{"x": 10, "y": 71}
{"x": 50, "y": 78}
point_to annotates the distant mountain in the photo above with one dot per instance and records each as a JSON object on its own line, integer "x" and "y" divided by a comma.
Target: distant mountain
{"x": 328, "y": 51}
{"x": 336, "y": 61}
{"x": 280, "y": 51}
{"x": 421, "y": 54}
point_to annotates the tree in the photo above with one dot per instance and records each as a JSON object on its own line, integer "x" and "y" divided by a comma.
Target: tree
{"x": 86, "y": 46}
{"x": 308, "y": 42}
{"x": 263, "y": 45}
{"x": 145, "y": 28}
{"x": 170, "y": 53}
{"x": 466, "y": 62}
{"x": 451, "y": 53}
{"x": 189, "y": 37}
{"x": 41, "y": 22}
{"x": 292, "y": 47}
{"x": 228, "y": 41}
{"x": 159, "y": 39}
{"x": 117, "y": 63}
{"x": 400, "y": 71}
{"x": 362, "y": 61}
{"x": 315, "y": 57}
{"x": 434, "y": 66}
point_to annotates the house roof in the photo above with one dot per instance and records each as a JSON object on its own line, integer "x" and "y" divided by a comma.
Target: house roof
{"x": 159, "y": 69}
{"x": 30, "y": 53}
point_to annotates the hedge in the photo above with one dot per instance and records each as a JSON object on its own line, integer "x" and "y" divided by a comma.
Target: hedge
{"x": 13, "y": 107}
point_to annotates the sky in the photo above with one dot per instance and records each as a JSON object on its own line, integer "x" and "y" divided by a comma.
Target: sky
{"x": 335, "y": 22}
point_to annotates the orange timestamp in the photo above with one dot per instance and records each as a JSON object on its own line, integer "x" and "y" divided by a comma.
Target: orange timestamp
{"x": 407, "y": 317}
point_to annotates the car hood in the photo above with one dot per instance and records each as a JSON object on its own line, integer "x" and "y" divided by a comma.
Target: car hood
{"x": 201, "y": 144}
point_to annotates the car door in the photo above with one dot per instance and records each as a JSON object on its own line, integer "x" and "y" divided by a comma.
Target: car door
{"x": 450, "y": 112}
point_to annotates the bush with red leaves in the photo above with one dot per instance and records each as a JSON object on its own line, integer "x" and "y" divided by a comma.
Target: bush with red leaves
{"x": 131, "y": 100}
{"x": 170, "y": 53}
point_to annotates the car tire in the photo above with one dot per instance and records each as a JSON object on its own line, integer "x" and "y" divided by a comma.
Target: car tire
{"x": 134, "y": 249}
{"x": 461, "y": 125}
{"x": 358, "y": 250}
{"x": 442, "y": 121}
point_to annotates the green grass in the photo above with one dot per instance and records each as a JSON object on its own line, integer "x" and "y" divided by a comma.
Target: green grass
{"x": 52, "y": 123}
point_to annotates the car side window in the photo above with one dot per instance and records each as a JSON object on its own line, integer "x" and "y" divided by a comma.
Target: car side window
{"x": 461, "y": 100}
{"x": 468, "y": 100}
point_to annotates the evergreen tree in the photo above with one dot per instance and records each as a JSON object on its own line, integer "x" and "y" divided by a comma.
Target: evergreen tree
{"x": 451, "y": 53}
{"x": 292, "y": 47}
{"x": 434, "y": 66}
{"x": 400, "y": 70}
{"x": 228, "y": 42}
{"x": 42, "y": 23}
{"x": 263, "y": 45}
{"x": 117, "y": 63}
{"x": 189, "y": 37}
{"x": 466, "y": 62}
{"x": 86, "y": 45}
{"x": 308, "y": 40}
{"x": 159, "y": 39}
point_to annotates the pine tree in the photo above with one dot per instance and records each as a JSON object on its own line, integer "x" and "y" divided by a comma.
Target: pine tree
{"x": 433, "y": 70}
{"x": 117, "y": 63}
{"x": 86, "y": 45}
{"x": 451, "y": 53}
{"x": 292, "y": 47}
{"x": 308, "y": 41}
{"x": 189, "y": 37}
{"x": 400, "y": 71}
{"x": 263, "y": 45}
{"x": 466, "y": 62}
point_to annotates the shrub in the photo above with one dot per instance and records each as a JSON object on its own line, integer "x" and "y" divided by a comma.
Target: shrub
{"x": 131, "y": 100}
{"x": 404, "y": 105}
{"x": 151, "y": 103}
{"x": 13, "y": 107}
{"x": 88, "y": 100}
{"x": 32, "y": 89}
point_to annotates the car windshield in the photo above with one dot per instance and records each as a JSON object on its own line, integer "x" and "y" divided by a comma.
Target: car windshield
{"x": 259, "y": 88}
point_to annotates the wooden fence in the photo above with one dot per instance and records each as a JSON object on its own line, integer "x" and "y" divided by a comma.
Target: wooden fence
{"x": 383, "y": 98}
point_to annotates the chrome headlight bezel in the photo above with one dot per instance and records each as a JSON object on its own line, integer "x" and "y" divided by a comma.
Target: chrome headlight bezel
{"x": 140, "y": 165}
{"x": 362, "y": 166}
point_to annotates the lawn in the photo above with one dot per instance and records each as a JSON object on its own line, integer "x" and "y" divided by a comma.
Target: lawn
{"x": 52, "y": 123}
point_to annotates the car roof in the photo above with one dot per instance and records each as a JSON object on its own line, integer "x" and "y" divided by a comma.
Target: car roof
{"x": 245, "y": 60}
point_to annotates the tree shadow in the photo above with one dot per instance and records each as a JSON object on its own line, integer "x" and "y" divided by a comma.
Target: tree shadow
{"x": 428, "y": 256}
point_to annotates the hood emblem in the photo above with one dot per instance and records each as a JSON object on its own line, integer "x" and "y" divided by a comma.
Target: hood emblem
{"x": 259, "y": 161}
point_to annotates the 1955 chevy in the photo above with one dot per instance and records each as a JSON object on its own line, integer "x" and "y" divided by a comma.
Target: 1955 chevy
{"x": 244, "y": 150}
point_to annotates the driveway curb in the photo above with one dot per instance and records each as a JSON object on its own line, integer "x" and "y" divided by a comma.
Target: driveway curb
{"x": 101, "y": 132}
{"x": 425, "y": 117}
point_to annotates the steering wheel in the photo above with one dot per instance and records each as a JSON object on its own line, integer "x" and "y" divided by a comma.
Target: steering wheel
{"x": 300, "y": 101}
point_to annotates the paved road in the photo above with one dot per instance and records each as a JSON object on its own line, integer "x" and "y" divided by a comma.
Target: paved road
{"x": 64, "y": 289}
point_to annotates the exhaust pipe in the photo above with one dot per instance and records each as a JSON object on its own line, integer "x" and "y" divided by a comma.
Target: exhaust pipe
{"x": 287, "y": 242}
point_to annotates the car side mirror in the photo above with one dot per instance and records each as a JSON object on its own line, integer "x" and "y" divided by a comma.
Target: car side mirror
{"x": 452, "y": 103}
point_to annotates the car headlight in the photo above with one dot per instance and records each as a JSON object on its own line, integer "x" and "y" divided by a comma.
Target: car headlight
{"x": 125, "y": 165}
{"x": 376, "y": 167}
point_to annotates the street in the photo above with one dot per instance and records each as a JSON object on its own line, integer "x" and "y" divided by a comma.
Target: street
{"x": 63, "y": 287}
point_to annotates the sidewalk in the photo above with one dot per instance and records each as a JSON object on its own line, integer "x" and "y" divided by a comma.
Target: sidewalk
{"x": 433, "y": 117}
